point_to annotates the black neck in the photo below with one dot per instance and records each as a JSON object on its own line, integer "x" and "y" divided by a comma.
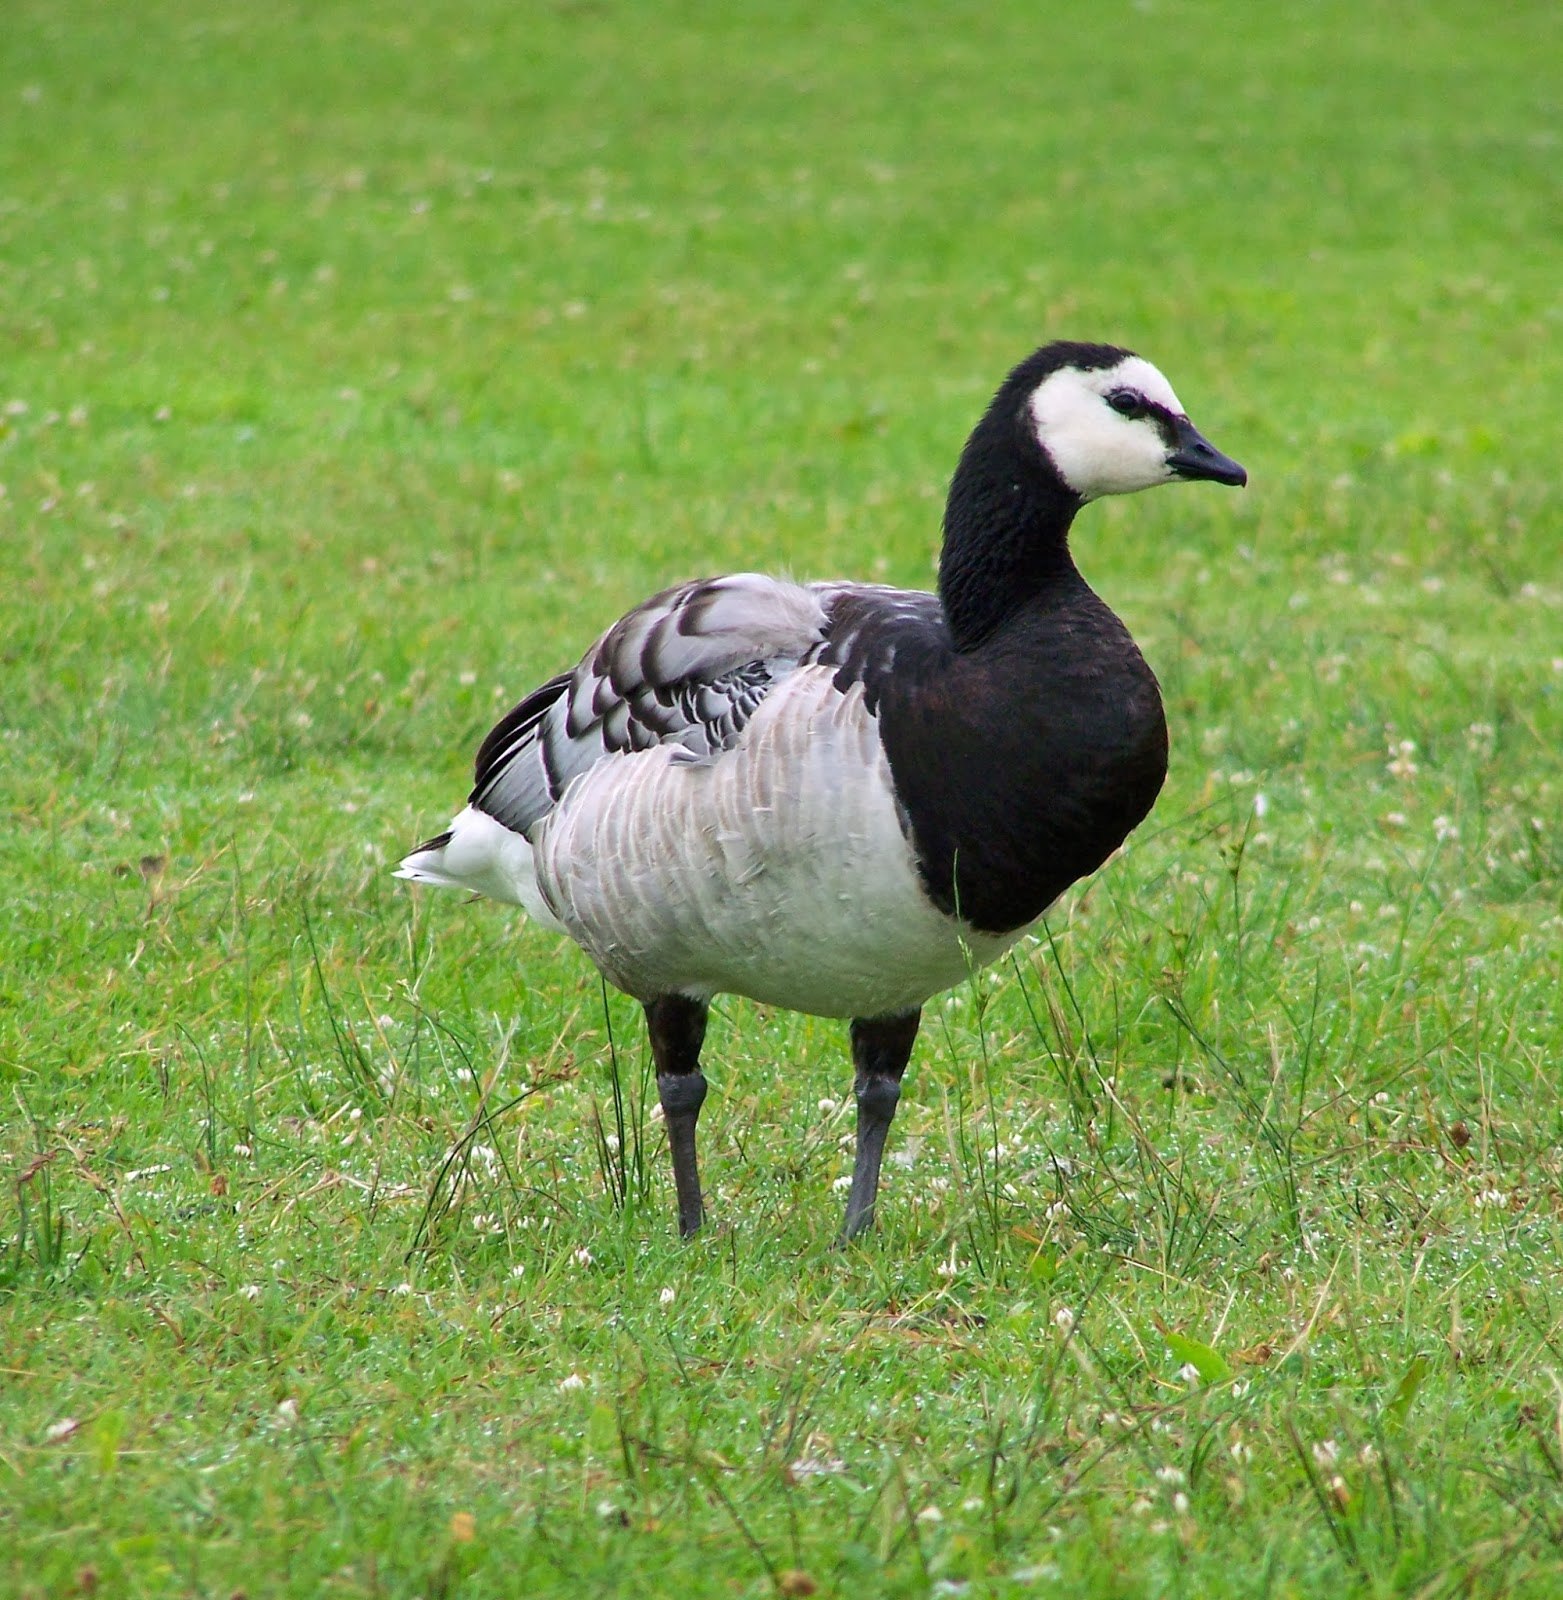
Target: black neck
{"x": 1006, "y": 529}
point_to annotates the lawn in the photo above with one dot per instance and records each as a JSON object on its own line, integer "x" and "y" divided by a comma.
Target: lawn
{"x": 358, "y": 364}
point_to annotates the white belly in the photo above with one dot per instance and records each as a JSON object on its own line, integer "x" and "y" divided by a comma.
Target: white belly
{"x": 779, "y": 870}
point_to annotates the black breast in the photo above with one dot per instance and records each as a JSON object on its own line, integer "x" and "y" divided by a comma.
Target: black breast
{"x": 1023, "y": 764}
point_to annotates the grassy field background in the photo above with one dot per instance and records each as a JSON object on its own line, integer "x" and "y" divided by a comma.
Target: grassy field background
{"x": 357, "y": 365}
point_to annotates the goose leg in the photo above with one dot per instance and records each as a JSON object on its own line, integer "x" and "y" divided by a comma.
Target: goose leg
{"x": 880, "y": 1050}
{"x": 677, "y": 1026}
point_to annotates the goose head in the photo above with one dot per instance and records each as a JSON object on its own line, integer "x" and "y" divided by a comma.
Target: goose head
{"x": 1108, "y": 422}
{"x": 1071, "y": 423}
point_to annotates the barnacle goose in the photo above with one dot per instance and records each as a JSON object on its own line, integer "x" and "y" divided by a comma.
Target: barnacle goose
{"x": 837, "y": 797}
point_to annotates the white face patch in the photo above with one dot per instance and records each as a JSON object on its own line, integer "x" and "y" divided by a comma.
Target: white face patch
{"x": 1096, "y": 450}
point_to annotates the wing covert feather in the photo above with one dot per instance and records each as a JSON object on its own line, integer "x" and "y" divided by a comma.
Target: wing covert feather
{"x": 685, "y": 668}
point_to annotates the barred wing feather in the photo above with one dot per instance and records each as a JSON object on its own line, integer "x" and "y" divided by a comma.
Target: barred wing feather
{"x": 687, "y": 668}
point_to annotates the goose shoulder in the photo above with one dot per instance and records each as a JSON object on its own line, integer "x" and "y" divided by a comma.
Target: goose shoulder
{"x": 685, "y": 669}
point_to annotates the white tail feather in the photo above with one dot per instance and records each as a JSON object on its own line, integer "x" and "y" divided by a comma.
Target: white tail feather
{"x": 483, "y": 857}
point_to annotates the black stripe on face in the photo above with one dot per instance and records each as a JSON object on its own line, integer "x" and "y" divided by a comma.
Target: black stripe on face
{"x": 1166, "y": 423}
{"x": 1133, "y": 405}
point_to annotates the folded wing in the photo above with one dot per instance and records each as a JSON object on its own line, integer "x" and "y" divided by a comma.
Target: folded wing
{"x": 687, "y": 668}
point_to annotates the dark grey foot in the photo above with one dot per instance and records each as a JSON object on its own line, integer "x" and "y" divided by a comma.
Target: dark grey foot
{"x": 678, "y": 1028}
{"x": 880, "y": 1050}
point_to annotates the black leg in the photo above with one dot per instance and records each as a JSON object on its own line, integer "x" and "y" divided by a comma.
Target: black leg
{"x": 880, "y": 1050}
{"x": 678, "y": 1028}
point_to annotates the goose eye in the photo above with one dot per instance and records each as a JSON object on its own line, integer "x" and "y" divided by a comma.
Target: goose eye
{"x": 1125, "y": 402}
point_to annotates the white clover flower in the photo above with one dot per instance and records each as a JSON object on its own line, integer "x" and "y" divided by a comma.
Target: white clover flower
{"x": 1064, "y": 1320}
{"x": 668, "y": 1296}
{"x": 572, "y": 1383}
{"x": 1325, "y": 1451}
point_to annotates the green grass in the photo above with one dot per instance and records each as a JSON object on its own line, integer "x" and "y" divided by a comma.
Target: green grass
{"x": 357, "y": 365}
